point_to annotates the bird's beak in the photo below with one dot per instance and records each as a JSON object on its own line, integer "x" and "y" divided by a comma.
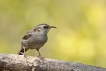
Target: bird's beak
{"x": 52, "y": 27}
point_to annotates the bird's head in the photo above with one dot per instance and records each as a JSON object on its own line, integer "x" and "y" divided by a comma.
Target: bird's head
{"x": 43, "y": 28}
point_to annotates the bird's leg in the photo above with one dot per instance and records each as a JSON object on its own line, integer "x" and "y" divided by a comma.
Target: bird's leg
{"x": 38, "y": 52}
{"x": 24, "y": 52}
{"x": 42, "y": 58}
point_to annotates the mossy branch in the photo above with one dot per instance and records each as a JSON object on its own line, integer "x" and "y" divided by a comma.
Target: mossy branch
{"x": 14, "y": 62}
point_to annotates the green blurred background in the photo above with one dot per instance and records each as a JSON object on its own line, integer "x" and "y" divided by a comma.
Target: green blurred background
{"x": 81, "y": 28}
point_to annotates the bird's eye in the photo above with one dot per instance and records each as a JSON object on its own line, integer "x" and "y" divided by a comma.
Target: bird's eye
{"x": 45, "y": 27}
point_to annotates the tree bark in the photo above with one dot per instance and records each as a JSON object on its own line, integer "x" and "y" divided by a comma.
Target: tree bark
{"x": 14, "y": 62}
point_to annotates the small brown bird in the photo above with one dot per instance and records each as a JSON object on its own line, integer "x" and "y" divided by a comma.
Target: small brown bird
{"x": 35, "y": 38}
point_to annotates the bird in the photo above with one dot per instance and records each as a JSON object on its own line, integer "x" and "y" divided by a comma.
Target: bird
{"x": 35, "y": 38}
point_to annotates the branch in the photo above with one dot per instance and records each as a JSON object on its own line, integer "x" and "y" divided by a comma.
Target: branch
{"x": 14, "y": 62}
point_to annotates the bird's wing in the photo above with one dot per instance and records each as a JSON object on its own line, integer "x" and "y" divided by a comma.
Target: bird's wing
{"x": 28, "y": 34}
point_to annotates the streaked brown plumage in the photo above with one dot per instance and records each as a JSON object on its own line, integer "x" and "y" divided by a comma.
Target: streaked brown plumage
{"x": 35, "y": 38}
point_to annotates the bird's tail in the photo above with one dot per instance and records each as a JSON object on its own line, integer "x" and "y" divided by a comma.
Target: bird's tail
{"x": 21, "y": 52}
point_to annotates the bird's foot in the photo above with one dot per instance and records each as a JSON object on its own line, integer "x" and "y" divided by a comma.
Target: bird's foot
{"x": 40, "y": 57}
